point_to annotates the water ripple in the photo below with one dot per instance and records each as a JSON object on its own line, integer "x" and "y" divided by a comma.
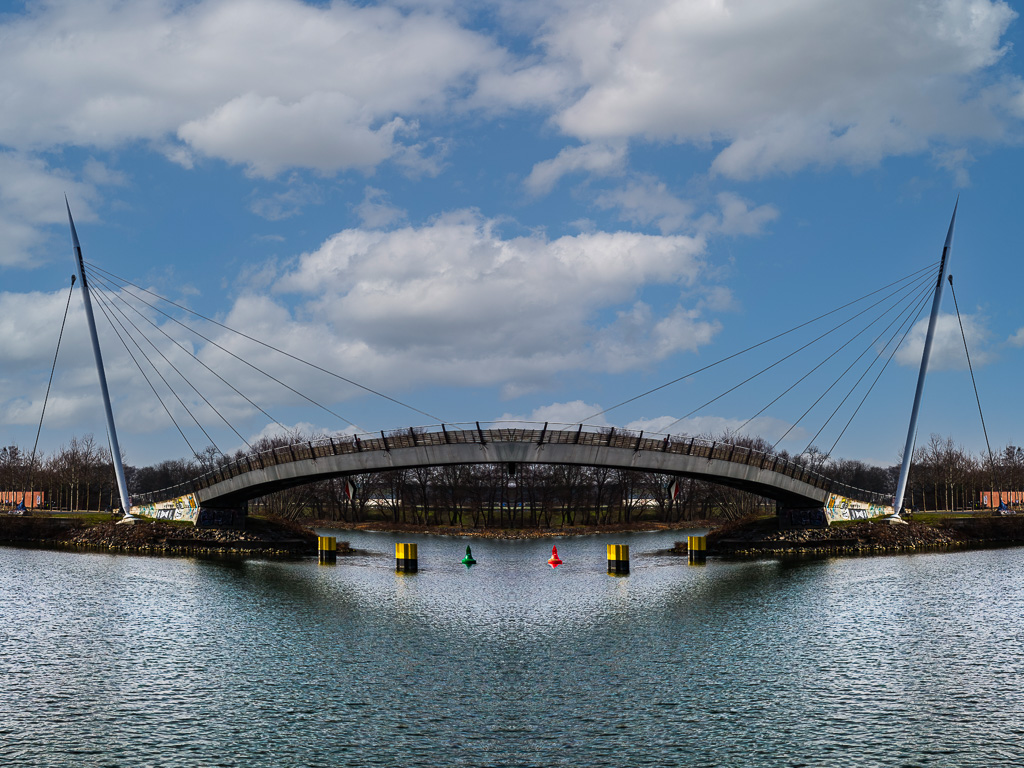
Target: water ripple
{"x": 120, "y": 660}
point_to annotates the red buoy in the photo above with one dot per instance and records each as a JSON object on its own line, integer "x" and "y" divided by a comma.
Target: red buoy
{"x": 554, "y": 561}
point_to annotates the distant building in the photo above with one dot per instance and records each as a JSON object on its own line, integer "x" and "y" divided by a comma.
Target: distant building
{"x": 993, "y": 499}
{"x": 31, "y": 499}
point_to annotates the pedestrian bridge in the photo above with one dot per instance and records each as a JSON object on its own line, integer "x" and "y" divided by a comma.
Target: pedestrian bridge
{"x": 794, "y": 486}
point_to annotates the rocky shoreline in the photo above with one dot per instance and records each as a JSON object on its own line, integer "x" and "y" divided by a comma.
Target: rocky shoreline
{"x": 758, "y": 539}
{"x": 261, "y": 537}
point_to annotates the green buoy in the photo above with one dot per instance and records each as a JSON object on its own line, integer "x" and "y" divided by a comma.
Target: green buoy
{"x": 468, "y": 559}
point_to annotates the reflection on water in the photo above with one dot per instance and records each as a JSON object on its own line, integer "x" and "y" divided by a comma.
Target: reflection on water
{"x": 120, "y": 660}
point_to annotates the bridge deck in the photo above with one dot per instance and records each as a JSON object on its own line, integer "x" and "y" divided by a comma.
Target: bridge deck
{"x": 738, "y": 466}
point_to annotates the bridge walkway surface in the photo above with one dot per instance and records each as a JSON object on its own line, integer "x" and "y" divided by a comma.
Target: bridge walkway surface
{"x": 777, "y": 477}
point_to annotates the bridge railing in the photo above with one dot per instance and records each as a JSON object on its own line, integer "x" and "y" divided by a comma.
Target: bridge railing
{"x": 548, "y": 434}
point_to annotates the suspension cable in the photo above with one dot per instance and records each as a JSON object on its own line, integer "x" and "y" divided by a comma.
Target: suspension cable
{"x": 101, "y": 301}
{"x": 207, "y": 367}
{"x": 929, "y": 268}
{"x": 881, "y": 315}
{"x": 245, "y": 362}
{"x": 114, "y": 309}
{"x": 919, "y": 297}
{"x": 52, "y": 369}
{"x": 991, "y": 459}
{"x": 261, "y": 343}
{"x": 910, "y": 317}
{"x": 924, "y": 303}
{"x": 779, "y": 361}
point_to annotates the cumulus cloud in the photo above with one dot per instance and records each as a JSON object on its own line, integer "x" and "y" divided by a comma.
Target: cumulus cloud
{"x": 578, "y": 411}
{"x": 454, "y": 302}
{"x": 766, "y": 427}
{"x": 738, "y": 218}
{"x": 646, "y": 201}
{"x": 30, "y": 196}
{"x": 376, "y": 212}
{"x": 262, "y": 133}
{"x": 783, "y": 85}
{"x": 289, "y": 202}
{"x": 267, "y": 84}
{"x": 948, "y": 344}
{"x": 597, "y": 159}
{"x": 275, "y": 84}
{"x": 573, "y": 412}
{"x": 29, "y": 326}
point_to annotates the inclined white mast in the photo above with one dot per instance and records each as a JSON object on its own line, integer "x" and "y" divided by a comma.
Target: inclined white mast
{"x": 908, "y": 451}
{"x": 115, "y": 450}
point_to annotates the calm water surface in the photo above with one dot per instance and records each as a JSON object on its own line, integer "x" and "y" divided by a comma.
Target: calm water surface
{"x": 145, "y": 661}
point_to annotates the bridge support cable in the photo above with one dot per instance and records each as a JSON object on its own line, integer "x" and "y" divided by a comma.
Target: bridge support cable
{"x": 896, "y": 306}
{"x": 795, "y": 328}
{"x": 245, "y": 362}
{"x": 211, "y": 406}
{"x": 971, "y": 369}
{"x": 101, "y": 302}
{"x": 913, "y": 303}
{"x": 112, "y": 295}
{"x": 909, "y": 317}
{"x": 180, "y": 346}
{"x": 258, "y": 341}
{"x": 781, "y": 360}
{"x": 912, "y": 313}
{"x": 121, "y": 318}
{"x": 53, "y": 368}
{"x": 888, "y": 360}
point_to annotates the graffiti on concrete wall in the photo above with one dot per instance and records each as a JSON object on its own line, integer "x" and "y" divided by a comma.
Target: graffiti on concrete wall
{"x": 804, "y": 518}
{"x": 842, "y": 508}
{"x": 181, "y": 508}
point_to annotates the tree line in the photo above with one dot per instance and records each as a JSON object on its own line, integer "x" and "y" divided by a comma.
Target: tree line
{"x": 80, "y": 476}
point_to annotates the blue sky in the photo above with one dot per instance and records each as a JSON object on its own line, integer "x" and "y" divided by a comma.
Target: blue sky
{"x": 529, "y": 210}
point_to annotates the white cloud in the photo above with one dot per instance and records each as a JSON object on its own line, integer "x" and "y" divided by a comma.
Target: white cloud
{"x": 783, "y": 85}
{"x": 573, "y": 412}
{"x": 296, "y": 195}
{"x": 766, "y": 427}
{"x": 304, "y": 428}
{"x": 326, "y": 131}
{"x": 453, "y": 302}
{"x": 599, "y": 159}
{"x": 31, "y": 197}
{"x": 578, "y": 411}
{"x": 738, "y": 218}
{"x": 275, "y": 84}
{"x": 948, "y": 344}
{"x": 956, "y": 162}
{"x": 375, "y": 212}
{"x": 646, "y": 200}
{"x": 268, "y": 84}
